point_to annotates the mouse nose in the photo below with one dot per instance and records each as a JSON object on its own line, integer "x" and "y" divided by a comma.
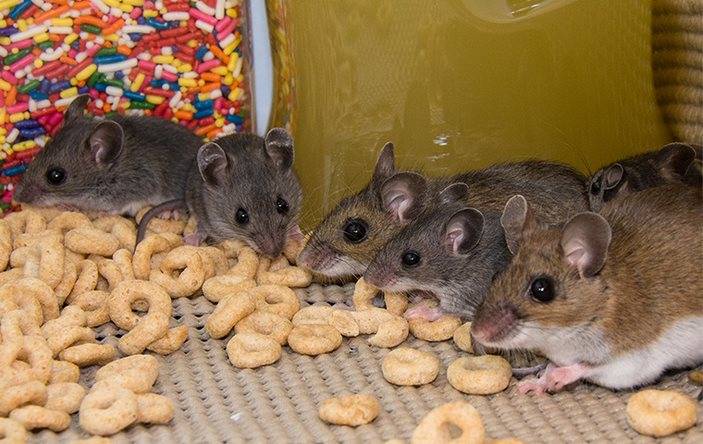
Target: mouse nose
{"x": 379, "y": 277}
{"x": 270, "y": 247}
{"x": 25, "y": 193}
{"x": 492, "y": 324}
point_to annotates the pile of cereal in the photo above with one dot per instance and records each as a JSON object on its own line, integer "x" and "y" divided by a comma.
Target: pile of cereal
{"x": 175, "y": 59}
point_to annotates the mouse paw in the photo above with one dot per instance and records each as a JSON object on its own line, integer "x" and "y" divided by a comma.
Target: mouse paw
{"x": 537, "y": 386}
{"x": 559, "y": 377}
{"x": 424, "y": 311}
{"x": 194, "y": 239}
{"x": 170, "y": 214}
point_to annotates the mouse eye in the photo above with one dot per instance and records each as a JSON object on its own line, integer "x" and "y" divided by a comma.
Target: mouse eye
{"x": 56, "y": 176}
{"x": 355, "y": 231}
{"x": 281, "y": 206}
{"x": 242, "y": 217}
{"x": 542, "y": 289}
{"x": 411, "y": 258}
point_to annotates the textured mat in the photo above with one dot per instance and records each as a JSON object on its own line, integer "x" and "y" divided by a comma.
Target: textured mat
{"x": 216, "y": 402}
{"x": 677, "y": 56}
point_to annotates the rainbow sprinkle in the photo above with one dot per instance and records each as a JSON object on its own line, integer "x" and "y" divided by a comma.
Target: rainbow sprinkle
{"x": 179, "y": 60}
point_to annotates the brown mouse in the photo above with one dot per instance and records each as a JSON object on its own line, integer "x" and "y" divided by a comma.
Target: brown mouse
{"x": 614, "y": 298}
{"x": 673, "y": 163}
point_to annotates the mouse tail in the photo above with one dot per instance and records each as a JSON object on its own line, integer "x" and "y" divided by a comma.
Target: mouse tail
{"x": 169, "y": 205}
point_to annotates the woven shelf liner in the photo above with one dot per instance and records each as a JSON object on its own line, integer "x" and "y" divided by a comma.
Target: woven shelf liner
{"x": 216, "y": 402}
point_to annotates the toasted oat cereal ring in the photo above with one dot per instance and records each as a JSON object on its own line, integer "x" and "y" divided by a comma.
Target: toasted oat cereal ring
{"x": 217, "y": 287}
{"x": 172, "y": 341}
{"x": 36, "y": 417}
{"x": 696, "y": 377}
{"x": 109, "y": 270}
{"x": 151, "y": 327}
{"x": 231, "y": 247}
{"x": 314, "y": 340}
{"x": 216, "y": 257}
{"x": 94, "y": 304}
{"x": 370, "y": 319}
{"x": 439, "y": 330}
{"x": 64, "y": 396}
{"x": 26, "y": 222}
{"x": 390, "y": 333}
{"x": 123, "y": 260}
{"x": 276, "y": 299}
{"x": 128, "y": 292}
{"x": 51, "y": 263}
{"x": 32, "y": 240}
{"x": 182, "y": 272}
{"x": 137, "y": 373}
{"x": 89, "y": 240}
{"x": 141, "y": 261}
{"x": 396, "y": 303}
{"x": 26, "y": 288}
{"x": 68, "y": 337}
{"x": 313, "y": 315}
{"x": 85, "y": 355}
{"x": 350, "y": 410}
{"x": 11, "y": 275}
{"x": 68, "y": 220}
{"x": 344, "y": 322}
{"x": 293, "y": 247}
{"x": 37, "y": 353}
{"x": 87, "y": 279}
{"x": 5, "y": 244}
{"x": 407, "y": 366}
{"x": 13, "y": 327}
{"x": 266, "y": 323}
{"x": 64, "y": 371}
{"x": 660, "y": 413}
{"x": 247, "y": 263}
{"x": 435, "y": 426}
{"x": 154, "y": 409}
{"x": 107, "y": 410}
{"x": 71, "y": 316}
{"x": 273, "y": 274}
{"x": 12, "y": 432}
{"x": 191, "y": 226}
{"x": 462, "y": 338}
{"x": 480, "y": 375}
{"x": 230, "y": 310}
{"x": 63, "y": 289}
{"x": 33, "y": 392}
{"x": 251, "y": 350}
{"x": 158, "y": 225}
{"x": 363, "y": 295}
{"x": 123, "y": 229}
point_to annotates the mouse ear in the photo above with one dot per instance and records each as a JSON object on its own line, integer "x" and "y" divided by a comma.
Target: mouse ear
{"x": 454, "y": 193}
{"x": 401, "y": 193}
{"x": 514, "y": 219}
{"x": 612, "y": 176}
{"x": 106, "y": 142}
{"x": 694, "y": 173}
{"x": 212, "y": 163}
{"x": 585, "y": 240}
{"x": 76, "y": 108}
{"x": 279, "y": 147}
{"x": 674, "y": 159}
{"x": 463, "y": 231}
{"x": 385, "y": 165}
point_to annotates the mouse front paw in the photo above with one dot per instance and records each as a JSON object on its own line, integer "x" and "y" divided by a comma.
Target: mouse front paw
{"x": 193, "y": 239}
{"x": 424, "y": 311}
{"x": 536, "y": 386}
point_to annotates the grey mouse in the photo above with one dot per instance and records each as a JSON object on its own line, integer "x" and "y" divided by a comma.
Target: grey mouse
{"x": 115, "y": 165}
{"x": 673, "y": 163}
{"x": 242, "y": 186}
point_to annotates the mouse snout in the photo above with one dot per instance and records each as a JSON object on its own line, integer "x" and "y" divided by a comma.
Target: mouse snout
{"x": 494, "y": 323}
{"x": 27, "y": 193}
{"x": 271, "y": 247}
{"x": 379, "y": 276}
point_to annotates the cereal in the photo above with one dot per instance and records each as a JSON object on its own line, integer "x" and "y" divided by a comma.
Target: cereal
{"x": 247, "y": 262}
{"x": 350, "y": 410}
{"x": 189, "y": 280}
{"x": 35, "y": 351}
{"x": 230, "y": 310}
{"x": 141, "y": 261}
{"x": 434, "y": 427}
{"x": 33, "y": 392}
{"x": 31, "y": 288}
{"x": 68, "y": 220}
{"x": 5, "y": 244}
{"x": 107, "y": 410}
{"x": 293, "y": 248}
{"x": 266, "y": 323}
{"x": 363, "y": 295}
{"x": 314, "y": 339}
{"x": 313, "y": 315}
{"x": 407, "y": 366}
{"x": 390, "y": 333}
{"x": 26, "y": 222}
{"x": 660, "y": 413}
{"x": 136, "y": 373}
{"x": 370, "y": 319}
{"x": 64, "y": 371}
{"x": 251, "y": 350}
{"x": 154, "y": 409}
{"x": 216, "y": 257}
{"x": 94, "y": 304}
{"x": 87, "y": 279}
{"x": 217, "y": 287}
{"x": 89, "y": 240}
{"x": 172, "y": 341}
{"x": 85, "y": 355}
{"x": 344, "y": 322}
{"x": 480, "y": 375}
{"x": 12, "y": 432}
{"x": 63, "y": 289}
{"x": 34, "y": 239}
{"x": 439, "y": 330}
{"x": 64, "y": 396}
{"x": 158, "y": 225}
{"x": 462, "y": 338}
{"x": 69, "y": 336}
{"x": 36, "y": 417}
{"x": 123, "y": 229}
{"x": 276, "y": 299}
{"x": 281, "y": 273}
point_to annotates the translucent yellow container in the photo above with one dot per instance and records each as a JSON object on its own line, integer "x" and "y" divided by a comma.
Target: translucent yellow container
{"x": 459, "y": 84}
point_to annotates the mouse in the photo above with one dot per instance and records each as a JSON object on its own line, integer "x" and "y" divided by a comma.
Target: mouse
{"x": 613, "y": 298}
{"x": 673, "y": 163}
{"x": 114, "y": 165}
{"x": 242, "y": 186}
{"x": 349, "y": 237}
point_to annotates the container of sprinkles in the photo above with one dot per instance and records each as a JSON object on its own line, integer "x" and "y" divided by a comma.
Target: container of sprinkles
{"x": 175, "y": 59}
